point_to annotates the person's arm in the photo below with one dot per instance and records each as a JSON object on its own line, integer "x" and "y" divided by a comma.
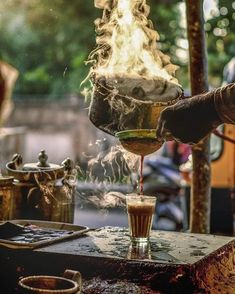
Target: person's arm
{"x": 224, "y": 99}
{"x": 192, "y": 119}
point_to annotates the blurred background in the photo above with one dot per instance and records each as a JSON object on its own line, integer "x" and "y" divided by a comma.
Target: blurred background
{"x": 48, "y": 42}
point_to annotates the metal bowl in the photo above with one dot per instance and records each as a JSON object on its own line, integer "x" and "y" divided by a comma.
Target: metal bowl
{"x": 123, "y": 112}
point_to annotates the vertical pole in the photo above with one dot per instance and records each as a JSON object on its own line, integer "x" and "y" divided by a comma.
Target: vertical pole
{"x": 200, "y": 190}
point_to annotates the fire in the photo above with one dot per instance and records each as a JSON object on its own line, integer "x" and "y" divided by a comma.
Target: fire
{"x": 127, "y": 43}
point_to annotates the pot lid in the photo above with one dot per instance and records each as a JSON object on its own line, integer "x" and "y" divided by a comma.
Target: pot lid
{"x": 41, "y": 165}
{"x": 39, "y": 171}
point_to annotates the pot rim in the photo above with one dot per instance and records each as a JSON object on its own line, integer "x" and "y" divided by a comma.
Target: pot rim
{"x": 74, "y": 284}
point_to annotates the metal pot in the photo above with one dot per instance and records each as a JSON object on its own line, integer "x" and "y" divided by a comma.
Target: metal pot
{"x": 112, "y": 112}
{"x": 43, "y": 190}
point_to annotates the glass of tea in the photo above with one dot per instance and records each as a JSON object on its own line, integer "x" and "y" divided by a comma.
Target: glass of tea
{"x": 140, "y": 209}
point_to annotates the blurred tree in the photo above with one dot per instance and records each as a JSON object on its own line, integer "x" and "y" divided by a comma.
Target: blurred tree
{"x": 167, "y": 19}
{"x": 220, "y": 39}
{"x": 48, "y": 41}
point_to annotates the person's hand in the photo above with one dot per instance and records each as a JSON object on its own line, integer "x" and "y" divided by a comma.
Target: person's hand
{"x": 189, "y": 120}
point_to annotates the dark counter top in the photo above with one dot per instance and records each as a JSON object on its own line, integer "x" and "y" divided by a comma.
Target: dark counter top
{"x": 173, "y": 263}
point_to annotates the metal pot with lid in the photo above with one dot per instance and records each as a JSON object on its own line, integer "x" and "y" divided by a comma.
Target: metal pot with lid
{"x": 43, "y": 190}
{"x": 31, "y": 172}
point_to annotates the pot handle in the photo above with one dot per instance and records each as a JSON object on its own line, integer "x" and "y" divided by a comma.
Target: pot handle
{"x": 75, "y": 276}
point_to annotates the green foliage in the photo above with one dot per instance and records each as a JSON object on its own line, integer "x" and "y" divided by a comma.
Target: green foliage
{"x": 220, "y": 40}
{"x": 49, "y": 41}
{"x": 37, "y": 78}
{"x": 167, "y": 21}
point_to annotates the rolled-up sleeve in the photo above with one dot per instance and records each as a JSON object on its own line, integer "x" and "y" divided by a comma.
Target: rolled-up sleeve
{"x": 224, "y": 99}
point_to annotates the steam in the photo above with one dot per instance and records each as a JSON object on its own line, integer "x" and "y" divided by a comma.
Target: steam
{"x": 127, "y": 42}
{"x": 109, "y": 178}
{"x": 113, "y": 166}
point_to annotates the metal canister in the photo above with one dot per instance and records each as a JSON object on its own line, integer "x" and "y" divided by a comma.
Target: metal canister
{"x": 6, "y": 197}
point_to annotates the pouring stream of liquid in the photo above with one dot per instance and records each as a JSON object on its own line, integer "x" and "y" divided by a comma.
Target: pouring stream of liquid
{"x": 141, "y": 175}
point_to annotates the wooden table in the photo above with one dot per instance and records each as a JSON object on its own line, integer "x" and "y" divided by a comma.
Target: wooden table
{"x": 174, "y": 263}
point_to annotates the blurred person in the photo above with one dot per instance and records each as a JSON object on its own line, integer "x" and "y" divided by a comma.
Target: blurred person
{"x": 178, "y": 152}
{"x": 8, "y": 76}
{"x": 229, "y": 72}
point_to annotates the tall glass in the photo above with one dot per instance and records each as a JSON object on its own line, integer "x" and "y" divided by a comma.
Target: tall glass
{"x": 140, "y": 211}
{"x": 139, "y": 251}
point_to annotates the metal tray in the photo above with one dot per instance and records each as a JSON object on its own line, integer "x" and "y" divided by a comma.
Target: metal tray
{"x": 37, "y": 234}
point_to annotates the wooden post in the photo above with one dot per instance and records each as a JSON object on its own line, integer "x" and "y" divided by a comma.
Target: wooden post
{"x": 200, "y": 190}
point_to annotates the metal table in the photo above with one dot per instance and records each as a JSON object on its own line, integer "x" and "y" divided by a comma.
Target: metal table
{"x": 174, "y": 263}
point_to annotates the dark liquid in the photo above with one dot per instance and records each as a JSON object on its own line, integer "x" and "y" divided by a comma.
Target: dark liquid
{"x": 141, "y": 175}
{"x": 140, "y": 219}
{"x": 141, "y": 146}
{"x": 47, "y": 283}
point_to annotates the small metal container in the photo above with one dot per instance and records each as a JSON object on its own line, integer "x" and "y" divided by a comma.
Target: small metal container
{"x": 6, "y": 197}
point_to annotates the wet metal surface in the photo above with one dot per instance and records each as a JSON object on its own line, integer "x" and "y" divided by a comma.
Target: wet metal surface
{"x": 165, "y": 247}
{"x": 173, "y": 263}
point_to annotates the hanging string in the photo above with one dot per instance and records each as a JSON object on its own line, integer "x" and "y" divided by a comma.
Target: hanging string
{"x": 224, "y": 137}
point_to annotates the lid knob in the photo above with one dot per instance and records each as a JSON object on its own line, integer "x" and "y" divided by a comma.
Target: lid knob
{"x": 42, "y": 157}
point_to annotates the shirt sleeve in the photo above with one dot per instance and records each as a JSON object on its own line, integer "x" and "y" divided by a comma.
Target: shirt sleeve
{"x": 224, "y": 99}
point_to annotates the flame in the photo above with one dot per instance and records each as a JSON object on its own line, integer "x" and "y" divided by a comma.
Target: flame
{"x": 127, "y": 42}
